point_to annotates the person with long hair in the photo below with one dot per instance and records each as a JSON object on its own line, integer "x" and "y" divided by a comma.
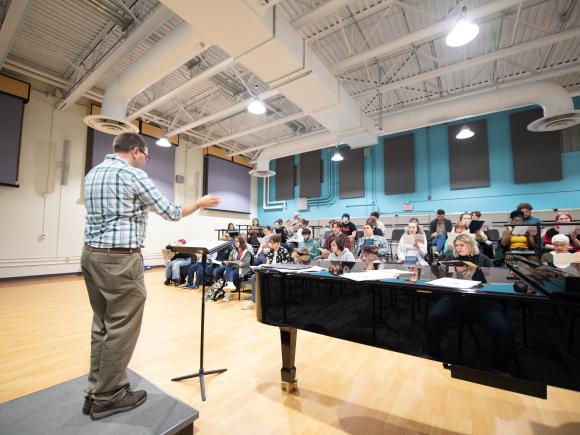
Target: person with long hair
{"x": 237, "y": 265}
{"x": 412, "y": 245}
{"x": 485, "y": 313}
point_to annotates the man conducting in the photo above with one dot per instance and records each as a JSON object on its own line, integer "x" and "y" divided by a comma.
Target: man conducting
{"x": 118, "y": 194}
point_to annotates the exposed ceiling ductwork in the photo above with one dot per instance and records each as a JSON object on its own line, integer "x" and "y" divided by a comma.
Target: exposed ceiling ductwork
{"x": 263, "y": 41}
{"x": 181, "y": 45}
{"x": 555, "y": 101}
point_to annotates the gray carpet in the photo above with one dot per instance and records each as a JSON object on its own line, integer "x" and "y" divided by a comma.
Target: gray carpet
{"x": 57, "y": 410}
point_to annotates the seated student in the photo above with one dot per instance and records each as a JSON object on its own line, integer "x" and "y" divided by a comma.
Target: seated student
{"x": 336, "y": 232}
{"x": 173, "y": 266}
{"x": 439, "y": 227}
{"x": 526, "y": 210}
{"x": 252, "y": 240}
{"x": 373, "y": 223}
{"x": 485, "y": 245}
{"x": 276, "y": 254}
{"x": 569, "y": 230}
{"x": 483, "y": 312}
{"x": 461, "y": 227}
{"x": 217, "y": 267}
{"x": 517, "y": 242}
{"x": 307, "y": 249}
{"x": 561, "y": 245}
{"x": 289, "y": 228}
{"x": 465, "y": 250}
{"x": 213, "y": 267}
{"x": 339, "y": 251}
{"x": 265, "y": 245}
{"x": 348, "y": 228}
{"x": 280, "y": 229}
{"x": 380, "y": 225}
{"x": 371, "y": 247}
{"x": 237, "y": 265}
{"x": 327, "y": 231}
{"x": 413, "y": 245}
{"x": 255, "y": 225}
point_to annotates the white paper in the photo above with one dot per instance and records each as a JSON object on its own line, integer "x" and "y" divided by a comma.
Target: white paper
{"x": 207, "y": 244}
{"x": 310, "y": 269}
{"x": 454, "y": 283}
{"x": 375, "y": 275}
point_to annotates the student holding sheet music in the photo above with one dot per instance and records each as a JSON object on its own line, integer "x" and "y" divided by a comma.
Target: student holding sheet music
{"x": 412, "y": 246}
{"x": 371, "y": 248}
{"x": 237, "y": 265}
{"x": 518, "y": 238}
{"x": 485, "y": 313}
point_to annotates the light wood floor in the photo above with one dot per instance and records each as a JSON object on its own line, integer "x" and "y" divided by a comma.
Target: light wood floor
{"x": 343, "y": 387}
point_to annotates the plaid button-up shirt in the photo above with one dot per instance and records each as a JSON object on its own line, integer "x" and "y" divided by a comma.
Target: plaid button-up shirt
{"x": 117, "y": 197}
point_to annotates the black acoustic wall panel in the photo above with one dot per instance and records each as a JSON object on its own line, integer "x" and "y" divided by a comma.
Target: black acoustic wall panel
{"x": 285, "y": 178}
{"x": 310, "y": 174}
{"x": 230, "y": 181}
{"x": 468, "y": 158}
{"x": 11, "y": 114}
{"x": 351, "y": 173}
{"x": 399, "y": 164}
{"x": 536, "y": 156}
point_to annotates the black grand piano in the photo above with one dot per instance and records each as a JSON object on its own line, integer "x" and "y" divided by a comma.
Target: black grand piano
{"x": 539, "y": 305}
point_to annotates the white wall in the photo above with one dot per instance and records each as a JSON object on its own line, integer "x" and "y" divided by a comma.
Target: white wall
{"x": 42, "y": 206}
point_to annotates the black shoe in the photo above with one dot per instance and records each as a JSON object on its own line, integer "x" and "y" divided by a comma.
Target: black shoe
{"x": 131, "y": 401}
{"x": 87, "y": 405}
{"x": 167, "y": 281}
{"x": 176, "y": 283}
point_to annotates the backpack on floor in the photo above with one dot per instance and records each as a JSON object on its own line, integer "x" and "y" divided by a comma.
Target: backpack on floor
{"x": 216, "y": 290}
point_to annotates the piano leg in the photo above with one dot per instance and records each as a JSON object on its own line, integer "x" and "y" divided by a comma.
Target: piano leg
{"x": 288, "y": 371}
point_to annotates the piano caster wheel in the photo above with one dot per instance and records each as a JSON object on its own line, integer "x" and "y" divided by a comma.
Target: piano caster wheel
{"x": 289, "y": 386}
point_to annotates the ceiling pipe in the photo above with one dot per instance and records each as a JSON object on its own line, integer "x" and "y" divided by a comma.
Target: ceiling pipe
{"x": 12, "y": 20}
{"x": 232, "y": 110}
{"x": 115, "y": 55}
{"x": 264, "y": 41}
{"x": 300, "y": 145}
{"x": 555, "y": 101}
{"x": 208, "y": 73}
{"x": 254, "y": 129}
{"x": 181, "y": 45}
{"x": 460, "y": 66}
{"x": 424, "y": 34}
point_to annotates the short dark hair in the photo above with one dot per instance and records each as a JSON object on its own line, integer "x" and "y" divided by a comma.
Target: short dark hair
{"x": 267, "y": 227}
{"x": 375, "y": 214}
{"x": 346, "y": 215}
{"x": 476, "y": 213}
{"x": 125, "y": 142}
{"x": 525, "y": 205}
{"x": 516, "y": 213}
{"x": 339, "y": 243}
{"x": 306, "y": 231}
{"x": 280, "y": 221}
{"x": 440, "y": 211}
{"x": 276, "y": 238}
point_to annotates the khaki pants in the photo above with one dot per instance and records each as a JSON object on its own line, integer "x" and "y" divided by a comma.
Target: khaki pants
{"x": 117, "y": 294}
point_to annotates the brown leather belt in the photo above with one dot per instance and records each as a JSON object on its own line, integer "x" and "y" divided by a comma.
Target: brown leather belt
{"x": 113, "y": 250}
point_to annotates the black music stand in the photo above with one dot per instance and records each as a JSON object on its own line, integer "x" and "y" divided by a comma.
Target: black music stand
{"x": 203, "y": 247}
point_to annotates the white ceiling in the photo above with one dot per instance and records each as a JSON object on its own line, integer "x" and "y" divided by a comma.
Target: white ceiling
{"x": 62, "y": 41}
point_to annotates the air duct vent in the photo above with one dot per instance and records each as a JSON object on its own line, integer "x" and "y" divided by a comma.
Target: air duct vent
{"x": 262, "y": 173}
{"x": 110, "y": 124}
{"x": 557, "y": 121}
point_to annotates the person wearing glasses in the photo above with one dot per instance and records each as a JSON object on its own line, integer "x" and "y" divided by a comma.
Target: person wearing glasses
{"x": 118, "y": 195}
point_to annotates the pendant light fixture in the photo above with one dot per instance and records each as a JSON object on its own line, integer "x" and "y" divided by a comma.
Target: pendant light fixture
{"x": 463, "y": 32}
{"x": 337, "y": 157}
{"x": 464, "y": 133}
{"x": 163, "y": 141}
